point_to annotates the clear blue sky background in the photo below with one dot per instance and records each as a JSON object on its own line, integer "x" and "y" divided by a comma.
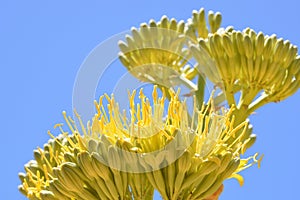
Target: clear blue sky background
{"x": 43, "y": 43}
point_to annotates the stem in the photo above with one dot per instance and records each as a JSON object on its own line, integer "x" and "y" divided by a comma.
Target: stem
{"x": 242, "y": 111}
{"x": 229, "y": 94}
{"x": 247, "y": 96}
{"x": 199, "y": 93}
{"x": 240, "y": 116}
{"x": 220, "y": 98}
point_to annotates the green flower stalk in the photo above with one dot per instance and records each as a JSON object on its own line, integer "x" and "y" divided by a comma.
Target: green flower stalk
{"x": 108, "y": 161}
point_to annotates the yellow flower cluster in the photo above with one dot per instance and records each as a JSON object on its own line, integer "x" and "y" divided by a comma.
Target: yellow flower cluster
{"x": 252, "y": 62}
{"x": 157, "y": 53}
{"x": 124, "y": 158}
{"x": 157, "y": 144}
{"x": 155, "y": 48}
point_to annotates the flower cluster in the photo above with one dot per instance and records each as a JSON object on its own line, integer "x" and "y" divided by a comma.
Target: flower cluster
{"x": 253, "y": 63}
{"x": 158, "y": 144}
{"x": 117, "y": 157}
{"x": 157, "y": 52}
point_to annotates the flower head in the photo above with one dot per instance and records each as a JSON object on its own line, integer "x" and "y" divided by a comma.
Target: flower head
{"x": 120, "y": 157}
{"x": 157, "y": 52}
{"x": 250, "y": 63}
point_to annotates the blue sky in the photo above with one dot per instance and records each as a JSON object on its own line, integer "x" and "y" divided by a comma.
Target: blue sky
{"x": 43, "y": 44}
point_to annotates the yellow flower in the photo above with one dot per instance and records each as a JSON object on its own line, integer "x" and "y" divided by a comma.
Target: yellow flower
{"x": 120, "y": 157}
{"x": 250, "y": 63}
{"x": 157, "y": 52}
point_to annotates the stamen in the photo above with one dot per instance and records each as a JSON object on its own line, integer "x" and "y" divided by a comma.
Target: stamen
{"x": 81, "y": 123}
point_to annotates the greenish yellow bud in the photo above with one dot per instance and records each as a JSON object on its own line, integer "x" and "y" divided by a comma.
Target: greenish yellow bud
{"x": 248, "y": 47}
{"x": 217, "y": 42}
{"x": 259, "y": 43}
{"x": 268, "y": 48}
{"x": 279, "y": 51}
{"x": 240, "y": 43}
{"x": 228, "y": 46}
{"x": 164, "y": 22}
{"x": 218, "y": 20}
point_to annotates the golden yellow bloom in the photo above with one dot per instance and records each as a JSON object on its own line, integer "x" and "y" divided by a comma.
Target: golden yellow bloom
{"x": 120, "y": 157}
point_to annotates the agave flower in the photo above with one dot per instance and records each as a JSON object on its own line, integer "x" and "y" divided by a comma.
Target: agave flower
{"x": 120, "y": 157}
{"x": 158, "y": 52}
{"x": 251, "y": 63}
